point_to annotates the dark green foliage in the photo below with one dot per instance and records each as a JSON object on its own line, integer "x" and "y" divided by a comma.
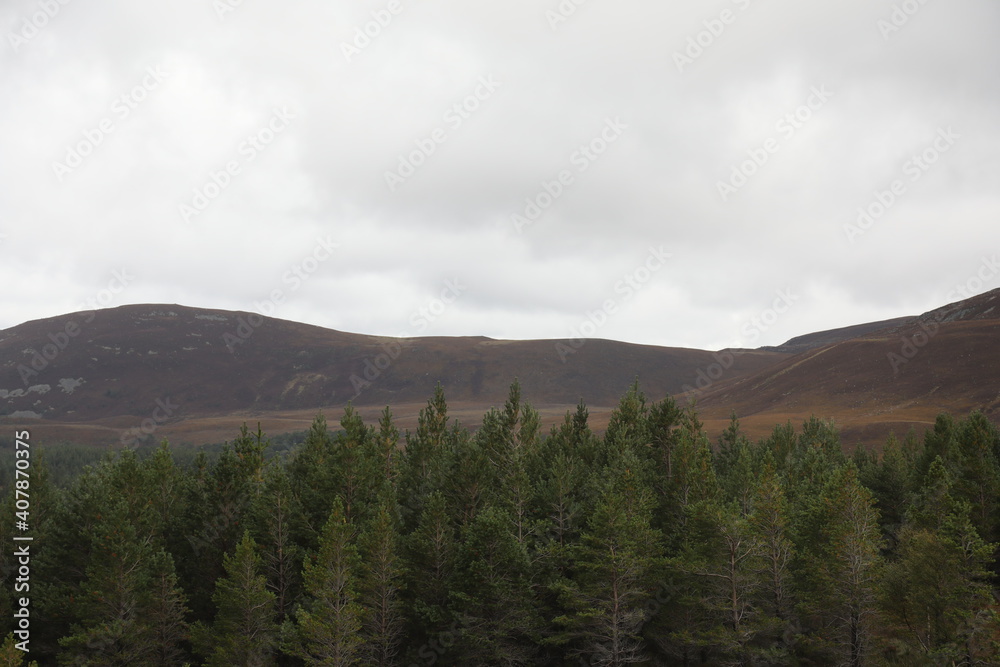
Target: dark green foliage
{"x": 327, "y": 629}
{"x": 490, "y": 596}
{"x": 244, "y": 631}
{"x": 646, "y": 545}
{"x": 612, "y": 572}
{"x": 380, "y": 587}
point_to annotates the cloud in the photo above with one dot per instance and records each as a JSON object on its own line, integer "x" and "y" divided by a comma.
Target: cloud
{"x": 417, "y": 76}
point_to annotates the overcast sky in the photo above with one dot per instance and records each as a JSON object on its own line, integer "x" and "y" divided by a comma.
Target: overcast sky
{"x": 690, "y": 160}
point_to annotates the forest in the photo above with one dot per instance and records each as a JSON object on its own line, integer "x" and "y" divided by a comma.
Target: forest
{"x": 503, "y": 545}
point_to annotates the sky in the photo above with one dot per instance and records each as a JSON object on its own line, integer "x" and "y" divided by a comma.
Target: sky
{"x": 729, "y": 173}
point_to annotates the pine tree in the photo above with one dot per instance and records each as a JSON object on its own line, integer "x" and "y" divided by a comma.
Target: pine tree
{"x": 11, "y": 656}
{"x": 471, "y": 477}
{"x": 165, "y": 614}
{"x": 430, "y": 556}
{"x": 889, "y": 481}
{"x": 978, "y": 480}
{"x": 313, "y": 480}
{"x": 664, "y": 420}
{"x": 616, "y": 564}
{"x": 244, "y": 631}
{"x": 387, "y": 446}
{"x": 423, "y": 459}
{"x": 218, "y": 513}
{"x": 628, "y": 428}
{"x": 736, "y": 466}
{"x": 278, "y": 519}
{"x": 116, "y": 600}
{"x": 770, "y": 522}
{"x": 329, "y": 622}
{"x": 847, "y": 567}
{"x": 936, "y": 592}
{"x": 508, "y": 440}
{"x": 357, "y": 467}
{"x": 693, "y": 477}
{"x": 490, "y": 597}
{"x": 382, "y": 575}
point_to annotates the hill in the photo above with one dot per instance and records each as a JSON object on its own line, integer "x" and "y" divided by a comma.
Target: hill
{"x": 141, "y": 372}
{"x": 112, "y": 369}
{"x": 891, "y": 378}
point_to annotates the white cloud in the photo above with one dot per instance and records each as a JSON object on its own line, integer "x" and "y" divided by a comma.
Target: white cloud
{"x": 657, "y": 184}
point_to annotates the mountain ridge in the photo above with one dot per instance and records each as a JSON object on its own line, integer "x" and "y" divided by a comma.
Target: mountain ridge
{"x": 113, "y": 367}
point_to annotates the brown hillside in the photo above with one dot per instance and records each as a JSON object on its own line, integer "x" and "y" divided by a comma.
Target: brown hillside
{"x": 106, "y": 370}
{"x": 889, "y": 379}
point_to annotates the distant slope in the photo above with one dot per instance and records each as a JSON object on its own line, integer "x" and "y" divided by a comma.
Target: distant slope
{"x": 200, "y": 372}
{"x": 821, "y": 338}
{"x": 122, "y": 361}
{"x": 894, "y": 377}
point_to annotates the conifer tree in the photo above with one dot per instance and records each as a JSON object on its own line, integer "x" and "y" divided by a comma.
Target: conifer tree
{"x": 356, "y": 465}
{"x": 978, "y": 479}
{"x": 430, "y": 557}
{"x": 165, "y": 614}
{"x": 616, "y": 564}
{"x": 423, "y": 459}
{"x": 736, "y": 466}
{"x": 278, "y": 519}
{"x": 244, "y": 631}
{"x": 770, "y": 522}
{"x": 11, "y": 656}
{"x": 220, "y": 497}
{"x": 386, "y": 446}
{"x": 129, "y": 608}
{"x": 311, "y": 474}
{"x": 628, "y": 428}
{"x": 491, "y": 598}
{"x": 936, "y": 592}
{"x": 328, "y": 624}
{"x": 382, "y": 575}
{"x": 471, "y": 478}
{"x": 847, "y": 567}
{"x": 664, "y": 419}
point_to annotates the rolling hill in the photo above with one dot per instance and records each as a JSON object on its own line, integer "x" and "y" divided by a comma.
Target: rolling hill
{"x": 193, "y": 375}
{"x": 85, "y": 375}
{"x": 889, "y": 378}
